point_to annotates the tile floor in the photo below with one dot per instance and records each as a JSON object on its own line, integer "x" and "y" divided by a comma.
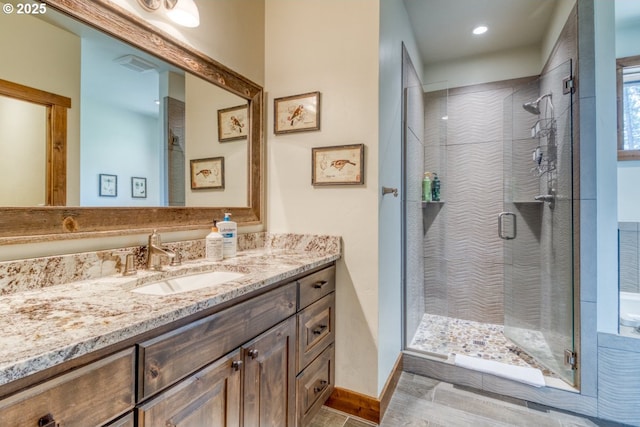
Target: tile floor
{"x": 423, "y": 402}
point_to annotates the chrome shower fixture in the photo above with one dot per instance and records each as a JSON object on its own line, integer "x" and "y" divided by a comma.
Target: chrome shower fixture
{"x": 534, "y": 106}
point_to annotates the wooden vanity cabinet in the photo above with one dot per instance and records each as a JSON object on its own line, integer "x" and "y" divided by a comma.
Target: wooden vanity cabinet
{"x": 265, "y": 361}
{"x": 91, "y": 395}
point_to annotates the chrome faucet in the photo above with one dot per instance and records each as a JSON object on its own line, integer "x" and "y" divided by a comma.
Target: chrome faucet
{"x": 155, "y": 250}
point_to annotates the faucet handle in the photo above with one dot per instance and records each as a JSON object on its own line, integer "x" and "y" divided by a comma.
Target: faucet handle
{"x": 177, "y": 259}
{"x": 130, "y": 265}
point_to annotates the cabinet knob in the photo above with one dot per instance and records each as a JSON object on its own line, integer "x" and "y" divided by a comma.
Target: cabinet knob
{"x": 321, "y": 386}
{"x": 253, "y": 353}
{"x": 319, "y": 284}
{"x": 320, "y": 329}
{"x": 47, "y": 421}
{"x": 236, "y": 364}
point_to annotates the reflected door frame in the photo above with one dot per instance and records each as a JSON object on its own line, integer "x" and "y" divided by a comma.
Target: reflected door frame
{"x": 56, "y": 140}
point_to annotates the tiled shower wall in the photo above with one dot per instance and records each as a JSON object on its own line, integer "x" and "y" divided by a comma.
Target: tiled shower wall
{"x": 629, "y": 256}
{"x": 464, "y": 257}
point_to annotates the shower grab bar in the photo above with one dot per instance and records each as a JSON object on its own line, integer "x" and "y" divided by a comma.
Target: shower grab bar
{"x": 500, "y": 225}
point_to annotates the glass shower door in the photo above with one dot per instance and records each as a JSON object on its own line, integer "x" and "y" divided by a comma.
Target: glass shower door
{"x": 537, "y": 222}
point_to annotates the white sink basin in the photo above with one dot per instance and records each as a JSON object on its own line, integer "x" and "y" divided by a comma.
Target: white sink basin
{"x": 187, "y": 283}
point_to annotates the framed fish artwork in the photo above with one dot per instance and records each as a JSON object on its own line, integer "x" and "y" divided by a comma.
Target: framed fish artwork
{"x": 337, "y": 165}
{"x": 233, "y": 123}
{"x": 207, "y": 173}
{"x": 298, "y": 113}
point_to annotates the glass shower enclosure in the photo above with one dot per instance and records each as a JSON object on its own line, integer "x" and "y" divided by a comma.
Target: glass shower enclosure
{"x": 537, "y": 222}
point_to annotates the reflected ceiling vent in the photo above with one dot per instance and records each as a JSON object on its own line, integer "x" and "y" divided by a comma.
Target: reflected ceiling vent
{"x": 136, "y": 63}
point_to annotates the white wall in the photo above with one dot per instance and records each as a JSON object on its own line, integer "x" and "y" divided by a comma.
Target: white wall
{"x": 503, "y": 65}
{"x": 394, "y": 30}
{"x": 627, "y": 41}
{"x": 331, "y": 46}
{"x": 122, "y": 143}
{"x": 556, "y": 24}
{"x": 628, "y": 192}
{"x": 29, "y": 46}
{"x": 606, "y": 166}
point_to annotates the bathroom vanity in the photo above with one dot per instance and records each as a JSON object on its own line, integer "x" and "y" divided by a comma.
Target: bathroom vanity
{"x": 255, "y": 351}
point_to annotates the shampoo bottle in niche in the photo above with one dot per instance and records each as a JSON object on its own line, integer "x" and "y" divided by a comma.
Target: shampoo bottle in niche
{"x": 435, "y": 188}
{"x": 229, "y": 231}
{"x": 213, "y": 244}
{"x": 426, "y": 187}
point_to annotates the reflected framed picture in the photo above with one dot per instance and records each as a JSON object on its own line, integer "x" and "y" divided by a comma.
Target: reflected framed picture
{"x": 138, "y": 187}
{"x": 207, "y": 173}
{"x": 233, "y": 123}
{"x": 298, "y": 113}
{"x": 337, "y": 165}
{"x": 107, "y": 185}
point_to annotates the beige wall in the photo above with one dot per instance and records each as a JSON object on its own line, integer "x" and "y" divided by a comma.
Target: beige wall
{"x": 231, "y": 32}
{"x": 201, "y": 135}
{"x": 330, "y": 46}
{"x": 29, "y": 46}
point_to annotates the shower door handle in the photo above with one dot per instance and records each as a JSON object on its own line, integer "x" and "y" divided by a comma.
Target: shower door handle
{"x": 501, "y": 233}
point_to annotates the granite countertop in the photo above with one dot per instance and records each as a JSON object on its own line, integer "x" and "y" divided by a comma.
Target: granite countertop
{"x": 44, "y": 327}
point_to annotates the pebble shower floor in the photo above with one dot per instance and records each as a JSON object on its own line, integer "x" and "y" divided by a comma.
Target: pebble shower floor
{"x": 446, "y": 336}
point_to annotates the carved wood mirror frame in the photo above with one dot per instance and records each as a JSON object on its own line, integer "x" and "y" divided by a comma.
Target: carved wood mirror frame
{"x": 32, "y": 224}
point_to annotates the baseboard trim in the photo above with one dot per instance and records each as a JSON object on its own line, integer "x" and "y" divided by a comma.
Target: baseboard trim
{"x": 363, "y": 406}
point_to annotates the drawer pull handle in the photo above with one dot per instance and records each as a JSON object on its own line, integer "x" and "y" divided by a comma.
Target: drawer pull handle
{"x": 322, "y": 386}
{"x": 47, "y": 421}
{"x": 236, "y": 365}
{"x": 319, "y": 285}
{"x": 253, "y": 353}
{"x": 320, "y": 329}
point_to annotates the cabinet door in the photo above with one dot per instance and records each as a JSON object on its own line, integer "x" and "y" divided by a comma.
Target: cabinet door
{"x": 211, "y": 397}
{"x": 269, "y": 378}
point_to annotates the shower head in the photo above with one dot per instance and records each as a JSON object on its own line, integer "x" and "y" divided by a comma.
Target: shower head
{"x": 534, "y": 106}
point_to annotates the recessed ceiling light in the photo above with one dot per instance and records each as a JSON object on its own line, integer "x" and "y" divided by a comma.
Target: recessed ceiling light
{"x": 480, "y": 30}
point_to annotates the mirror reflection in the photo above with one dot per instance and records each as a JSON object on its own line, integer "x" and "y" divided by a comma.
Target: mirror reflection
{"x": 134, "y": 125}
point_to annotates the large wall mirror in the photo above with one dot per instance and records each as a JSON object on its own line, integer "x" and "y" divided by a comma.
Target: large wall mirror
{"x": 156, "y": 134}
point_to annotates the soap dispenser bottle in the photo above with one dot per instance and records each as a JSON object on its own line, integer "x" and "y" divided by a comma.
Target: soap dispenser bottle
{"x": 229, "y": 231}
{"x": 213, "y": 244}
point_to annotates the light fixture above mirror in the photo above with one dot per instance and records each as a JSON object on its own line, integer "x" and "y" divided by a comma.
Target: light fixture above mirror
{"x": 182, "y": 12}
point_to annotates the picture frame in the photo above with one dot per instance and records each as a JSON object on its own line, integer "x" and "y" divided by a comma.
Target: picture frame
{"x": 298, "y": 113}
{"x": 138, "y": 187}
{"x": 107, "y": 185}
{"x": 337, "y": 165}
{"x": 207, "y": 173}
{"x": 233, "y": 123}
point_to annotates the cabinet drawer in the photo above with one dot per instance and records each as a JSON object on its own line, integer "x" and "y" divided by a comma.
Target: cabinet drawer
{"x": 316, "y": 329}
{"x": 126, "y": 421}
{"x": 174, "y": 355}
{"x": 314, "y": 385}
{"x": 316, "y": 285}
{"x": 88, "y": 396}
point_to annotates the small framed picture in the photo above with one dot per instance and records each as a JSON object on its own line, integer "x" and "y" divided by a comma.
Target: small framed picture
{"x": 233, "y": 123}
{"x": 299, "y": 113}
{"x": 108, "y": 185}
{"x": 338, "y": 165}
{"x": 207, "y": 173}
{"x": 138, "y": 187}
